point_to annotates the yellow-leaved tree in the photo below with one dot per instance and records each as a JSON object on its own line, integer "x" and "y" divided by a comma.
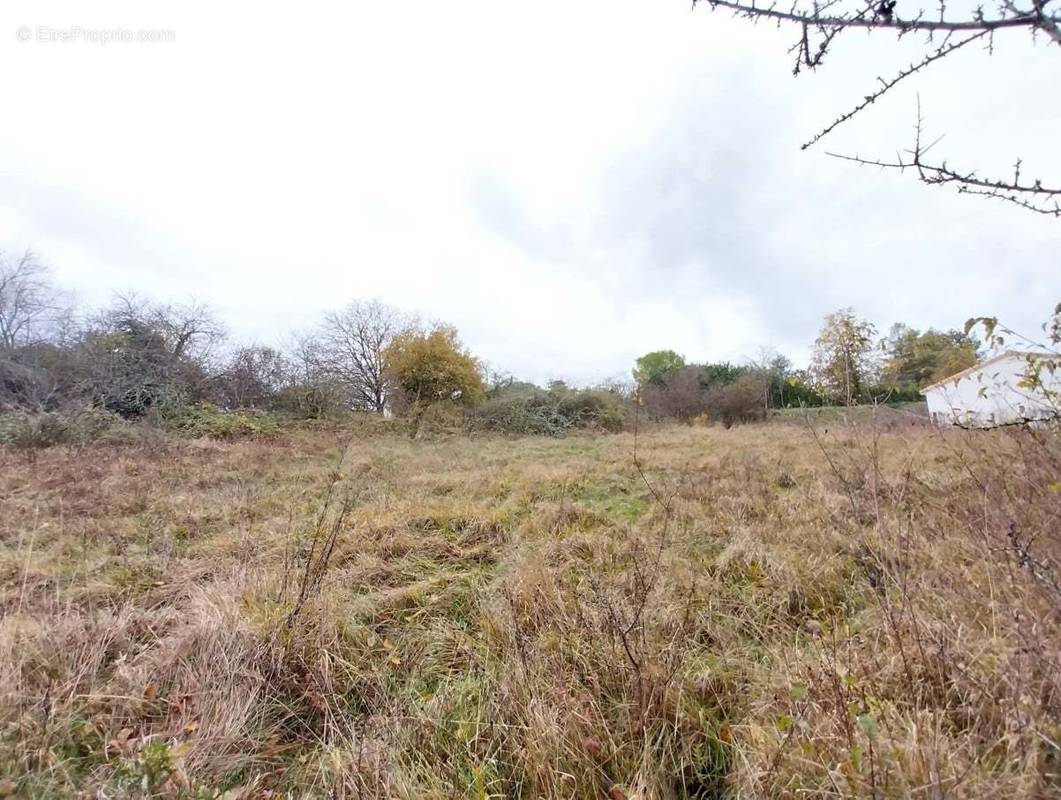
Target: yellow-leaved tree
{"x": 432, "y": 366}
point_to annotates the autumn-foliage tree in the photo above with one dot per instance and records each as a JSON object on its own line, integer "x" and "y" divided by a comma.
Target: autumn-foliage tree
{"x": 432, "y": 366}
{"x": 842, "y": 362}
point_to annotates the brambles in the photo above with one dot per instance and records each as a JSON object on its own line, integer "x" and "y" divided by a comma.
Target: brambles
{"x": 530, "y": 413}
{"x": 33, "y": 431}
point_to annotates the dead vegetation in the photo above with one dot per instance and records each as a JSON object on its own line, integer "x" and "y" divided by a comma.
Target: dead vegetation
{"x": 767, "y": 611}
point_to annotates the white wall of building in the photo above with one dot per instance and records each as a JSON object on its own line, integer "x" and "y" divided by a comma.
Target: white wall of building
{"x": 992, "y": 395}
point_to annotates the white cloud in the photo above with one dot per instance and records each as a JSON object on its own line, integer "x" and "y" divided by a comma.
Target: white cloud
{"x": 570, "y": 183}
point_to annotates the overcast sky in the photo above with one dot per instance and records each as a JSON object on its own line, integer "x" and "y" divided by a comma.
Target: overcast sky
{"x": 570, "y": 183}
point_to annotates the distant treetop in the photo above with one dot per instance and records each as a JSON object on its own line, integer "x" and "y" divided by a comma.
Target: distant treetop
{"x": 653, "y": 367}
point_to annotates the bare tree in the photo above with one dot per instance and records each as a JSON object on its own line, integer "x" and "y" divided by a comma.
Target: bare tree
{"x": 137, "y": 355}
{"x": 187, "y": 330}
{"x": 818, "y": 24}
{"x": 680, "y": 394}
{"x": 348, "y": 348}
{"x": 35, "y": 320}
{"x": 252, "y": 376}
{"x": 30, "y": 306}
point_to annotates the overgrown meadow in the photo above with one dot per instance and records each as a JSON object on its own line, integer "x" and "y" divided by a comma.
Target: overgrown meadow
{"x": 804, "y": 608}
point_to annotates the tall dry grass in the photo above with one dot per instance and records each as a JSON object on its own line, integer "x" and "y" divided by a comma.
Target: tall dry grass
{"x": 770, "y": 611}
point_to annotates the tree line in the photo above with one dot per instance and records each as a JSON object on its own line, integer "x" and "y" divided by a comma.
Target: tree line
{"x": 136, "y": 358}
{"x": 850, "y": 365}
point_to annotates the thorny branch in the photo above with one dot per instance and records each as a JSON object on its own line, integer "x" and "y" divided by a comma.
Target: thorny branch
{"x": 1029, "y": 195}
{"x": 885, "y": 19}
{"x": 822, "y": 22}
{"x": 943, "y": 51}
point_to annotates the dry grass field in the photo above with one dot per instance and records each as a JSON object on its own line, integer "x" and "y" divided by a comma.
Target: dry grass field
{"x": 766, "y": 611}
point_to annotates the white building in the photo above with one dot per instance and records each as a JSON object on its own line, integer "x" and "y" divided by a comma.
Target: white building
{"x": 1003, "y": 389}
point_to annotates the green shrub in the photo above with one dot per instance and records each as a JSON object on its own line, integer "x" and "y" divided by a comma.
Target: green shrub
{"x": 531, "y": 415}
{"x": 23, "y": 431}
{"x": 555, "y": 412}
{"x": 593, "y": 408}
{"x": 309, "y": 401}
{"x": 93, "y": 424}
{"x": 215, "y": 423}
{"x": 34, "y": 431}
{"x": 792, "y": 392}
{"x": 883, "y": 393}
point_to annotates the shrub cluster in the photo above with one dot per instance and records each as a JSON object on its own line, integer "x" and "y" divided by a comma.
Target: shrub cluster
{"x": 26, "y": 431}
{"x": 718, "y": 392}
{"x": 217, "y": 423}
{"x": 553, "y": 412}
{"x": 743, "y": 400}
{"x": 886, "y": 393}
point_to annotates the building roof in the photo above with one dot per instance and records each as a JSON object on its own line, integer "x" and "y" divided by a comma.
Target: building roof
{"x": 957, "y": 376}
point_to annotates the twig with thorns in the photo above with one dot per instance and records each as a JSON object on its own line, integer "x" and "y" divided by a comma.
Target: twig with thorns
{"x": 1032, "y": 196}
{"x": 825, "y": 21}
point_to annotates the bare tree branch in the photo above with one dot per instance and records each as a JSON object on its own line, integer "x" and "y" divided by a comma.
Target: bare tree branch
{"x": 1048, "y": 25}
{"x": 1029, "y": 195}
{"x": 28, "y": 302}
{"x": 820, "y": 24}
{"x": 1020, "y": 19}
{"x": 348, "y": 347}
{"x": 942, "y": 52}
